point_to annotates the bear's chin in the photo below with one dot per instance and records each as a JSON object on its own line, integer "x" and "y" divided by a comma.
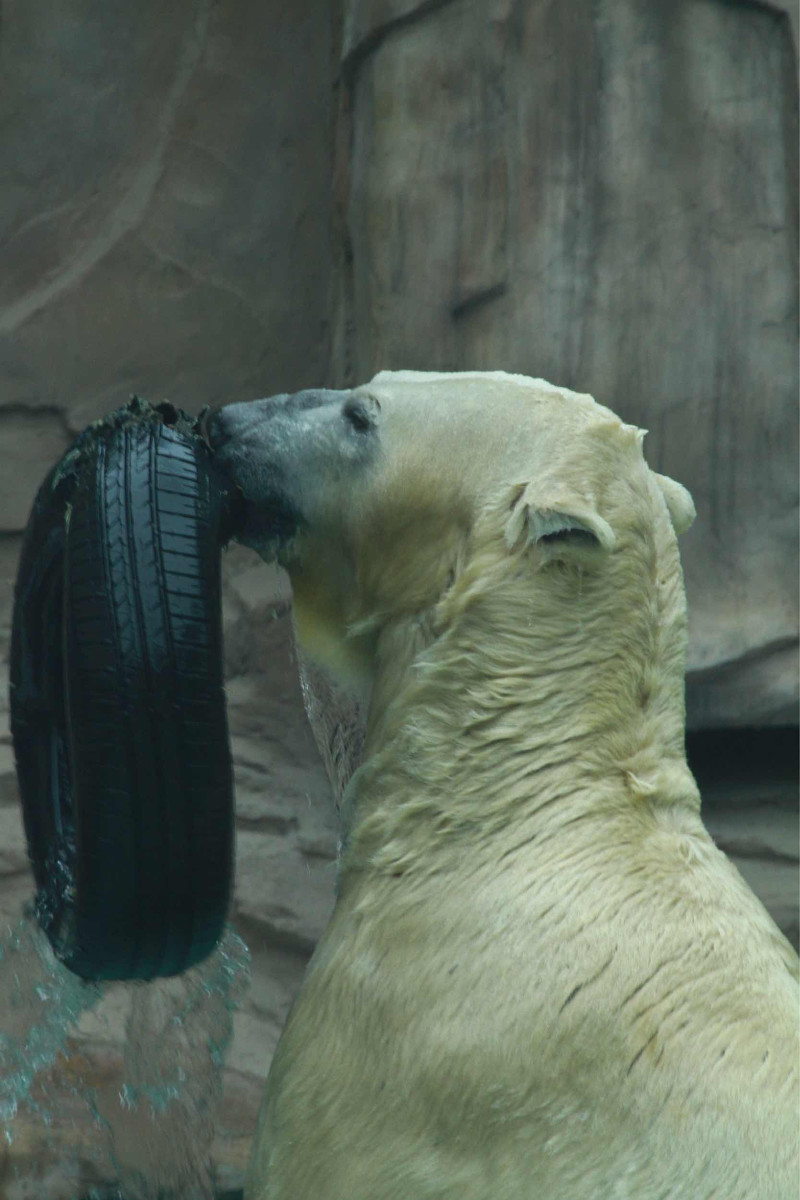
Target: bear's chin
{"x": 269, "y": 530}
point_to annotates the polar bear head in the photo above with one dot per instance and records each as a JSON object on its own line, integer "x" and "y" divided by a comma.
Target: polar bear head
{"x": 376, "y": 499}
{"x": 476, "y": 552}
{"x": 484, "y": 561}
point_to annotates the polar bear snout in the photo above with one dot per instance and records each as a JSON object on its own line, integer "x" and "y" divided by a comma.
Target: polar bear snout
{"x": 246, "y": 440}
{"x": 246, "y": 419}
{"x": 285, "y": 452}
{"x": 288, "y": 425}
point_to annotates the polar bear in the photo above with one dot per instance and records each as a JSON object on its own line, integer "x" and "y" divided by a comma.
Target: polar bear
{"x": 541, "y": 980}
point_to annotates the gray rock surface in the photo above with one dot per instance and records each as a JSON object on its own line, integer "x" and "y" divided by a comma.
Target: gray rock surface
{"x": 603, "y": 195}
{"x": 164, "y": 226}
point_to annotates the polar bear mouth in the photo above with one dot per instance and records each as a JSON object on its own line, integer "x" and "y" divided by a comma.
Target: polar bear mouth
{"x": 270, "y": 529}
{"x": 264, "y": 517}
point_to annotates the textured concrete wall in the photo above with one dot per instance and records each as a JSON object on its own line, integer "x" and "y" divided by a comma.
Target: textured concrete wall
{"x": 604, "y": 195}
{"x": 164, "y": 225}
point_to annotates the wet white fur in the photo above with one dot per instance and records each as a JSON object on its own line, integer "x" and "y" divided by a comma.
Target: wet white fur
{"x": 541, "y": 980}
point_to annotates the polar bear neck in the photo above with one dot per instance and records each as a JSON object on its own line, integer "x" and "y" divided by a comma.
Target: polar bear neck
{"x": 534, "y": 707}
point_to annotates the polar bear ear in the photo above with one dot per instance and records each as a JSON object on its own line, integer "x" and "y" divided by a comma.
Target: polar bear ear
{"x": 563, "y": 525}
{"x": 679, "y": 502}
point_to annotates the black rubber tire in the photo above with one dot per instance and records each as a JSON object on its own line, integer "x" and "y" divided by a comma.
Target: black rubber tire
{"x": 117, "y": 699}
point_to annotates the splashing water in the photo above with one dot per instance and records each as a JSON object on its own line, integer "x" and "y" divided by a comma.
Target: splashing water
{"x": 150, "y": 1131}
{"x": 162, "y": 1126}
{"x": 43, "y": 1000}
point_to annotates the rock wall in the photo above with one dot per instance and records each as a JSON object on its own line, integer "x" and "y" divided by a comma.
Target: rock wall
{"x": 214, "y": 201}
{"x": 165, "y": 230}
{"x": 165, "y": 217}
{"x": 604, "y": 195}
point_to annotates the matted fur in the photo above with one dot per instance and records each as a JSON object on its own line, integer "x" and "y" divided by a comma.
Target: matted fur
{"x": 541, "y": 980}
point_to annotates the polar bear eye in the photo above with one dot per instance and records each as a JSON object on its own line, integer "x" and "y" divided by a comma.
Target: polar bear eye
{"x": 356, "y": 413}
